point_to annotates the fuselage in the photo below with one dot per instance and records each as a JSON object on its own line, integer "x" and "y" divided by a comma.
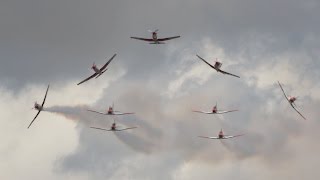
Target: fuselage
{"x": 214, "y": 109}
{"x": 154, "y": 37}
{"x": 217, "y": 65}
{"x": 292, "y": 99}
{"x": 38, "y": 106}
{"x": 221, "y": 135}
{"x": 94, "y": 67}
{"x": 113, "y": 127}
{"x": 110, "y": 110}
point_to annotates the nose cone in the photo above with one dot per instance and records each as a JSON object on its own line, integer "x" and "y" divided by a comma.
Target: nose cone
{"x": 292, "y": 99}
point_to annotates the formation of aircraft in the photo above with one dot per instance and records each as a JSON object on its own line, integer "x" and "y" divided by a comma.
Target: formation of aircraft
{"x": 98, "y": 72}
{"x": 214, "y": 111}
{"x": 291, "y": 100}
{"x": 111, "y": 111}
{"x": 221, "y": 135}
{"x": 155, "y": 39}
{"x": 217, "y": 67}
{"x": 113, "y": 128}
{"x": 39, "y": 107}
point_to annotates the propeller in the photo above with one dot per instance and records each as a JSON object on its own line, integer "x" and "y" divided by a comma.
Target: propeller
{"x": 153, "y": 31}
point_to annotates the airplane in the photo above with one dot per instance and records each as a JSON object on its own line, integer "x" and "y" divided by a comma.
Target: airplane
{"x": 111, "y": 111}
{"x": 155, "y": 39}
{"x": 221, "y": 136}
{"x": 113, "y": 128}
{"x": 291, "y": 101}
{"x": 214, "y": 111}
{"x": 98, "y": 72}
{"x": 39, "y": 107}
{"x": 217, "y": 67}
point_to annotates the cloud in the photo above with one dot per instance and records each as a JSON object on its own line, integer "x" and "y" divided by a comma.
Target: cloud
{"x": 261, "y": 42}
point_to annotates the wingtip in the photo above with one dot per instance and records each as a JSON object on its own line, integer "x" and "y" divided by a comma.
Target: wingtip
{"x": 197, "y": 111}
{"x": 29, "y": 125}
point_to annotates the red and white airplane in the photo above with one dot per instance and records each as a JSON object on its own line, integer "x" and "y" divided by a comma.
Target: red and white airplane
{"x": 214, "y": 111}
{"x": 113, "y": 128}
{"x": 221, "y": 136}
{"x": 291, "y": 100}
{"x": 155, "y": 39}
{"x": 111, "y": 111}
{"x": 217, "y": 67}
{"x": 39, "y": 107}
{"x": 98, "y": 72}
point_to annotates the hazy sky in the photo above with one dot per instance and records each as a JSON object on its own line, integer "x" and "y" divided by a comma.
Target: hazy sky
{"x": 56, "y": 42}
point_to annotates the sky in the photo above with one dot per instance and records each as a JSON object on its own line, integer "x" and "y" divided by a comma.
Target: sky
{"x": 56, "y": 42}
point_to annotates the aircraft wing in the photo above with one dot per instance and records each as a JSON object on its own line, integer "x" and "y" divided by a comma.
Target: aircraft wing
{"x": 142, "y": 39}
{"x": 298, "y": 111}
{"x": 45, "y": 96}
{"x": 224, "y": 72}
{"x": 113, "y": 130}
{"x": 284, "y": 93}
{"x": 223, "y": 112}
{"x": 101, "y": 129}
{"x": 120, "y": 113}
{"x": 126, "y": 128}
{"x": 34, "y": 118}
{"x": 104, "y": 66}
{"x": 168, "y": 38}
{"x": 228, "y": 137}
{"x": 206, "y": 62}
{"x": 97, "y": 112}
{"x": 92, "y": 76}
{"x": 203, "y": 112}
{"x": 208, "y": 137}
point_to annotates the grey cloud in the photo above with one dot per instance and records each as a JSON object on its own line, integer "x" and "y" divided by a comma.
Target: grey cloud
{"x": 161, "y": 132}
{"x": 50, "y": 41}
{"x": 57, "y": 41}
